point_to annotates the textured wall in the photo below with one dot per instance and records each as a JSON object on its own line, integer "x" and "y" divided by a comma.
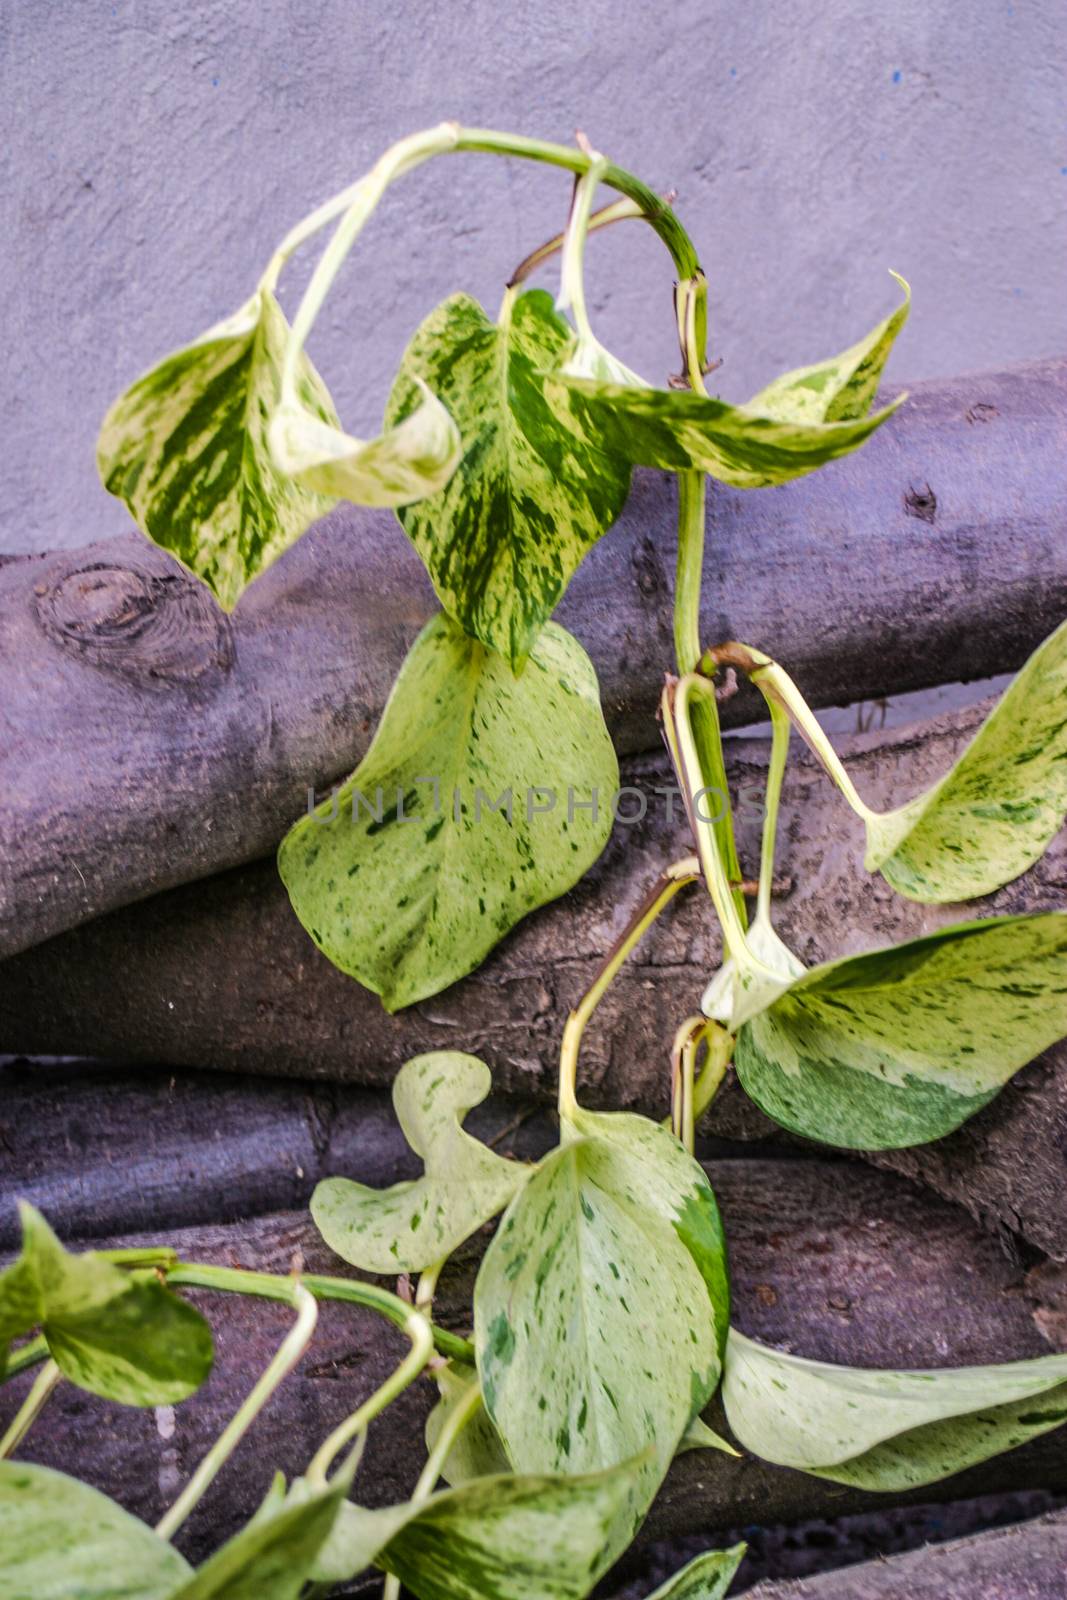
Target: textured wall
{"x": 158, "y": 151}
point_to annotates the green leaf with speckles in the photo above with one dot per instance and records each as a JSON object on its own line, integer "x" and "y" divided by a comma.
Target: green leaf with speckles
{"x": 496, "y": 1538}
{"x": 529, "y": 498}
{"x": 594, "y": 1330}
{"x": 886, "y": 1430}
{"x": 118, "y": 1334}
{"x": 274, "y": 1554}
{"x": 671, "y": 1183}
{"x": 698, "y": 1436}
{"x": 798, "y": 423}
{"x": 706, "y": 1578}
{"x": 901, "y": 1045}
{"x": 996, "y": 811}
{"x": 62, "y": 1540}
{"x": 411, "y": 1226}
{"x": 186, "y": 448}
{"x": 467, "y": 812}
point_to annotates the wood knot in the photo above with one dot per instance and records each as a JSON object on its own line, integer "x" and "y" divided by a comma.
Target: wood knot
{"x": 157, "y": 629}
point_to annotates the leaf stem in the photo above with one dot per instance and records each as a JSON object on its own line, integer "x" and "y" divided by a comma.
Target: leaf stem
{"x": 571, "y": 295}
{"x": 451, "y": 1429}
{"x": 285, "y": 1359}
{"x": 27, "y": 1355}
{"x": 237, "y": 1280}
{"x": 690, "y": 1095}
{"x": 780, "y": 731}
{"x": 659, "y": 895}
{"x": 30, "y": 1408}
{"x": 616, "y": 211}
{"x": 419, "y": 1333}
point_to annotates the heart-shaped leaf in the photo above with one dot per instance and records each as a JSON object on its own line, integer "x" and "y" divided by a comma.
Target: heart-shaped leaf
{"x": 412, "y": 1225}
{"x": 274, "y": 1555}
{"x": 467, "y": 812}
{"x": 995, "y": 812}
{"x": 901, "y": 1045}
{"x": 498, "y": 1538}
{"x": 707, "y": 1577}
{"x": 886, "y": 1430}
{"x": 186, "y": 448}
{"x": 529, "y": 498}
{"x": 594, "y": 1329}
{"x": 117, "y": 1334}
{"x": 60, "y": 1538}
{"x": 797, "y": 424}
{"x": 666, "y": 1180}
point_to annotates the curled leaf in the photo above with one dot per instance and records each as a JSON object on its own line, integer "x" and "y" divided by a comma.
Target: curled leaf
{"x": 901, "y": 1045}
{"x": 707, "y": 1577}
{"x": 886, "y": 1430}
{"x": 995, "y": 812}
{"x": 481, "y": 797}
{"x": 186, "y": 449}
{"x": 121, "y": 1335}
{"x": 411, "y": 1226}
{"x": 798, "y": 423}
{"x": 404, "y": 463}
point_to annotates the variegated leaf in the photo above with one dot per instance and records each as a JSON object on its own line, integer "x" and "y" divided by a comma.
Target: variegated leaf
{"x": 838, "y": 390}
{"x": 901, "y": 1045}
{"x": 498, "y": 1538}
{"x": 123, "y": 1336}
{"x": 698, "y": 1436}
{"x": 59, "y": 1538}
{"x": 707, "y": 1577}
{"x": 797, "y": 424}
{"x": 274, "y": 1554}
{"x": 413, "y": 1225}
{"x": 886, "y": 1430}
{"x": 594, "y": 1330}
{"x": 186, "y": 448}
{"x": 466, "y": 813}
{"x": 477, "y": 1451}
{"x": 666, "y": 1180}
{"x": 996, "y": 811}
{"x": 529, "y": 498}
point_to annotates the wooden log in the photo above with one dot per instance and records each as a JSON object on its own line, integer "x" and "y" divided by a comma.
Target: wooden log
{"x": 221, "y": 975}
{"x": 147, "y": 740}
{"x": 829, "y": 1258}
{"x": 1027, "y": 1561}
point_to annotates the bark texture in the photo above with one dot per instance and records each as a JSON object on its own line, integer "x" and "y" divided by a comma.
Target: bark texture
{"x": 147, "y": 740}
{"x": 221, "y": 975}
{"x": 1024, "y": 1562}
{"x": 829, "y": 1259}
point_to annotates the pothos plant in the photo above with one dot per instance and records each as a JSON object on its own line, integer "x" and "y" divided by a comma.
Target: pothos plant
{"x": 601, "y": 1315}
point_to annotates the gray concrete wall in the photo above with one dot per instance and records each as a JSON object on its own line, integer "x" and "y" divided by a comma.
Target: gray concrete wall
{"x": 157, "y": 151}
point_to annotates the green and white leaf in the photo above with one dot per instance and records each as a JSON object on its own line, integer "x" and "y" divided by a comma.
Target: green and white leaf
{"x": 402, "y": 464}
{"x": 120, "y": 1335}
{"x": 529, "y": 498}
{"x": 798, "y": 423}
{"x": 997, "y": 810}
{"x": 698, "y": 1436}
{"x": 62, "y": 1540}
{"x": 477, "y": 1451}
{"x": 274, "y": 1554}
{"x": 841, "y": 389}
{"x": 735, "y": 994}
{"x": 666, "y": 1180}
{"x": 417, "y": 877}
{"x": 498, "y": 1538}
{"x": 594, "y": 1330}
{"x": 901, "y": 1045}
{"x": 707, "y": 1577}
{"x": 886, "y": 1430}
{"x": 413, "y": 1225}
{"x": 186, "y": 449}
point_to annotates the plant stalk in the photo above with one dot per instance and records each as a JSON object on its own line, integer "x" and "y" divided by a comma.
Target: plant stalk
{"x": 30, "y": 1409}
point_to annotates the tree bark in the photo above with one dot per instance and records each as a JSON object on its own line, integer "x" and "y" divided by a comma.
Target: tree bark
{"x": 220, "y": 975}
{"x": 830, "y": 1259}
{"x": 147, "y": 740}
{"x": 1025, "y": 1562}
